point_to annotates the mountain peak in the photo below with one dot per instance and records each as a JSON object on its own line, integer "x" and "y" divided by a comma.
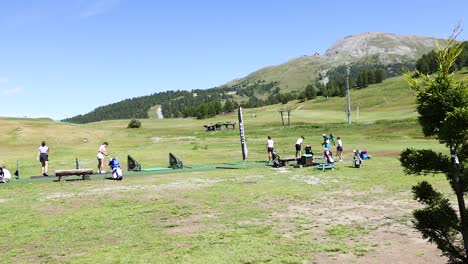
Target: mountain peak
{"x": 388, "y": 47}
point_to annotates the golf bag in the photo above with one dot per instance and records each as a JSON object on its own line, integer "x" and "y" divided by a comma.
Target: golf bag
{"x": 275, "y": 157}
{"x": 308, "y": 150}
{"x": 116, "y": 170}
{"x": 357, "y": 161}
{"x": 5, "y": 175}
{"x": 328, "y": 155}
{"x": 364, "y": 154}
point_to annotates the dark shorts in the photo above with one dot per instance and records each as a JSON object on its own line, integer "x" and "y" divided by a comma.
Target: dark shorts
{"x": 270, "y": 150}
{"x": 43, "y": 157}
{"x": 298, "y": 147}
{"x": 339, "y": 148}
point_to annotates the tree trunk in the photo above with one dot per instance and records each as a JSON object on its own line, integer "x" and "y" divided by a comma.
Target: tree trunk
{"x": 73, "y": 172}
{"x": 462, "y": 208}
{"x": 282, "y": 120}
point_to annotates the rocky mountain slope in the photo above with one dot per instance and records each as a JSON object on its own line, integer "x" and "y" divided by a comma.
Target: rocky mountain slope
{"x": 389, "y": 48}
{"x": 370, "y": 48}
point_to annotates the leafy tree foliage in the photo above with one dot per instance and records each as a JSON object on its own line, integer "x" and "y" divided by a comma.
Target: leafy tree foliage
{"x": 361, "y": 75}
{"x": 310, "y": 92}
{"x": 428, "y": 63}
{"x": 367, "y": 77}
{"x": 230, "y": 105}
{"x": 443, "y": 107}
{"x": 134, "y": 123}
{"x": 196, "y": 103}
{"x": 379, "y": 75}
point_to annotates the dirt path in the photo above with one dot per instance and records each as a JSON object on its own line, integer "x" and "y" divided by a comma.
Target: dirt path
{"x": 392, "y": 238}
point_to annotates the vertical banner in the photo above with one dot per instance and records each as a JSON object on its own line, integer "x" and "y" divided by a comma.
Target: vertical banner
{"x": 242, "y": 134}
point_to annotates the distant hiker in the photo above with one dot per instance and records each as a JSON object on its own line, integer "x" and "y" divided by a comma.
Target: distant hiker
{"x": 43, "y": 157}
{"x": 116, "y": 170}
{"x": 102, "y": 153}
{"x": 270, "y": 147}
{"x": 299, "y": 146}
{"x": 339, "y": 149}
{"x": 326, "y": 141}
{"x": 332, "y": 138}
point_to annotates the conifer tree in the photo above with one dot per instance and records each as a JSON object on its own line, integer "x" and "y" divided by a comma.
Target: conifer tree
{"x": 442, "y": 104}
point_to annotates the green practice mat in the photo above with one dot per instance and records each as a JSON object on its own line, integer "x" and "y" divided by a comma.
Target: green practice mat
{"x": 157, "y": 169}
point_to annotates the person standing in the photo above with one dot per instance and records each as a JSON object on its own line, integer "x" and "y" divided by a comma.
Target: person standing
{"x": 339, "y": 149}
{"x": 270, "y": 148}
{"x": 43, "y": 157}
{"x": 332, "y": 138}
{"x": 326, "y": 141}
{"x": 299, "y": 146}
{"x": 102, "y": 153}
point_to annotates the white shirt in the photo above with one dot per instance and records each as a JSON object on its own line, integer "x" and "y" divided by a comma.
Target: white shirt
{"x": 270, "y": 143}
{"x": 102, "y": 149}
{"x": 339, "y": 142}
{"x": 43, "y": 149}
{"x": 299, "y": 141}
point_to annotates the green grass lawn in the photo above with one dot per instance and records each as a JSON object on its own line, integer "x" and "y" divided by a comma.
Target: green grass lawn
{"x": 251, "y": 215}
{"x": 201, "y": 214}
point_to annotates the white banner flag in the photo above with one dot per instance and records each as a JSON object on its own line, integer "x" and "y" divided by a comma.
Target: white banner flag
{"x": 242, "y": 134}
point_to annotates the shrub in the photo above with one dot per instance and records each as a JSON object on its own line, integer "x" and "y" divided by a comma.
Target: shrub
{"x": 134, "y": 123}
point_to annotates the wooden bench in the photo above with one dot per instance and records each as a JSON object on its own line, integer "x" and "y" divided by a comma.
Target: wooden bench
{"x": 84, "y": 173}
{"x": 210, "y": 127}
{"x": 218, "y": 126}
{"x": 230, "y": 125}
{"x": 325, "y": 166}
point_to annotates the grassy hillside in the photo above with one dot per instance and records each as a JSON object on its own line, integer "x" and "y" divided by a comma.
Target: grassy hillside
{"x": 292, "y": 75}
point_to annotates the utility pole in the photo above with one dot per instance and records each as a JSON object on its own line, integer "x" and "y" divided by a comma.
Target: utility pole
{"x": 348, "y": 95}
{"x": 357, "y": 114}
{"x": 281, "y": 110}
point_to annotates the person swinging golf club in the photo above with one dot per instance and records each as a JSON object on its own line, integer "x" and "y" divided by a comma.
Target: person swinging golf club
{"x": 102, "y": 153}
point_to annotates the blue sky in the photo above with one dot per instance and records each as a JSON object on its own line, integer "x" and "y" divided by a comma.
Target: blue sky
{"x": 61, "y": 58}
